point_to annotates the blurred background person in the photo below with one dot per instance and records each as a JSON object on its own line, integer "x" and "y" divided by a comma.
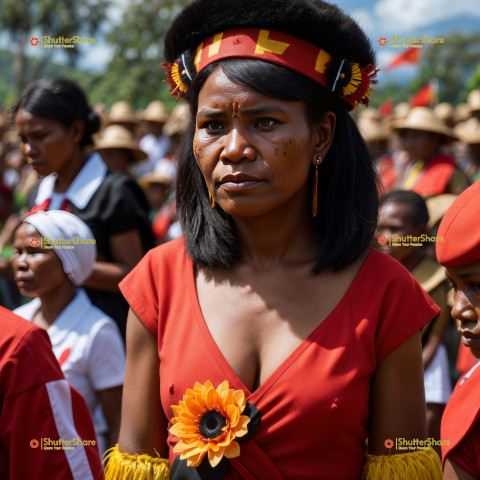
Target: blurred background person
{"x": 123, "y": 114}
{"x": 86, "y": 342}
{"x": 429, "y": 171}
{"x": 469, "y": 134}
{"x": 405, "y": 213}
{"x": 55, "y": 125}
{"x": 155, "y": 143}
{"x": 118, "y": 150}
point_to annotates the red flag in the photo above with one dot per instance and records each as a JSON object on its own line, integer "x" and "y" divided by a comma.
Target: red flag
{"x": 411, "y": 55}
{"x": 425, "y": 96}
{"x": 386, "y": 108}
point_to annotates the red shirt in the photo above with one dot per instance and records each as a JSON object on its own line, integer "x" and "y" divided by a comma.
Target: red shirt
{"x": 37, "y": 403}
{"x": 314, "y": 407}
{"x": 461, "y": 425}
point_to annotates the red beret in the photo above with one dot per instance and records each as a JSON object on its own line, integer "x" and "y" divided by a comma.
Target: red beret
{"x": 460, "y": 230}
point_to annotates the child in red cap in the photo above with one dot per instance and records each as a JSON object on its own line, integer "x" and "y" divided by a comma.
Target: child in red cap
{"x": 460, "y": 254}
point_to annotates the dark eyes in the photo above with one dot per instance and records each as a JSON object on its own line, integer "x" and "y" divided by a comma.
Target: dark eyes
{"x": 261, "y": 123}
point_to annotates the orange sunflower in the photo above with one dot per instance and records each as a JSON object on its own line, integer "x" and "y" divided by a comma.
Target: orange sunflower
{"x": 208, "y": 420}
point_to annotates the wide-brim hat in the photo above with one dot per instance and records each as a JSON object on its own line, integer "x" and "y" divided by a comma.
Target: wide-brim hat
{"x": 424, "y": 120}
{"x": 372, "y": 129}
{"x": 164, "y": 172}
{"x": 178, "y": 121}
{"x": 444, "y": 111}
{"x": 122, "y": 112}
{"x": 473, "y": 100}
{"x": 116, "y": 136}
{"x": 469, "y": 131}
{"x": 155, "y": 112}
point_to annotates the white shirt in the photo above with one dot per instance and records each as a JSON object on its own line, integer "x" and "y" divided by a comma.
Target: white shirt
{"x": 88, "y": 347}
{"x": 81, "y": 190}
{"x": 156, "y": 148}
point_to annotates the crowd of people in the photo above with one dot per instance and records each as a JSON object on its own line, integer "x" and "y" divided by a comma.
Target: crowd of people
{"x": 280, "y": 265}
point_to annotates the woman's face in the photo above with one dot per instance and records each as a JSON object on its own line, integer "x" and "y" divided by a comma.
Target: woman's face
{"x": 48, "y": 145}
{"x": 465, "y": 280}
{"x": 255, "y": 151}
{"x": 419, "y": 145}
{"x": 38, "y": 271}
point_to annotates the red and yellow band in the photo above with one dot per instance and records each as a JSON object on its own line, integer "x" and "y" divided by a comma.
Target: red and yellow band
{"x": 351, "y": 82}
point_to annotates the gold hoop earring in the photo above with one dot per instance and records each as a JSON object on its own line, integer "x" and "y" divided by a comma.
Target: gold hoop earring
{"x": 318, "y": 162}
{"x": 212, "y": 200}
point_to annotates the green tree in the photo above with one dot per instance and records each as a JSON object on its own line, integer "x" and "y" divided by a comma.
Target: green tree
{"x": 452, "y": 64}
{"x": 135, "y": 73}
{"x": 66, "y": 18}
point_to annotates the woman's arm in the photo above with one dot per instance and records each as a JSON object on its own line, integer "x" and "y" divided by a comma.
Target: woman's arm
{"x": 127, "y": 251}
{"x": 397, "y": 398}
{"x": 111, "y": 401}
{"x": 143, "y": 428}
{"x": 454, "y": 472}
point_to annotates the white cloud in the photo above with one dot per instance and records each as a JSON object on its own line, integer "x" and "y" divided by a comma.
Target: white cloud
{"x": 397, "y": 17}
{"x": 405, "y": 15}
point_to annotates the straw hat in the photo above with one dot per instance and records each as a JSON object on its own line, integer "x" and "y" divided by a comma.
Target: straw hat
{"x": 164, "y": 172}
{"x": 372, "y": 129}
{"x": 462, "y": 112}
{"x": 473, "y": 100}
{"x": 423, "y": 119}
{"x": 116, "y": 136}
{"x": 437, "y": 206}
{"x": 444, "y": 111}
{"x": 178, "y": 121}
{"x": 122, "y": 112}
{"x": 469, "y": 131}
{"x": 155, "y": 112}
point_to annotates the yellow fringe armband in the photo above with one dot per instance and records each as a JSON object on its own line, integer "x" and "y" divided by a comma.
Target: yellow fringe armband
{"x": 122, "y": 466}
{"x": 418, "y": 465}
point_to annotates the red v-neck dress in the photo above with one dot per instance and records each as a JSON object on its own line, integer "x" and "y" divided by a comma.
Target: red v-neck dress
{"x": 314, "y": 407}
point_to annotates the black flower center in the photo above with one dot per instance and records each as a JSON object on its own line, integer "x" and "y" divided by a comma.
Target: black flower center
{"x": 211, "y": 424}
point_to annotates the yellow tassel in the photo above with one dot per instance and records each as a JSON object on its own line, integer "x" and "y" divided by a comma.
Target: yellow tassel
{"x": 122, "y": 466}
{"x": 418, "y": 465}
{"x": 212, "y": 199}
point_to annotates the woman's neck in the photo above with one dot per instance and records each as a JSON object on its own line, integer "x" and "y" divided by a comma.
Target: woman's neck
{"x": 67, "y": 174}
{"x": 284, "y": 235}
{"x": 54, "y": 302}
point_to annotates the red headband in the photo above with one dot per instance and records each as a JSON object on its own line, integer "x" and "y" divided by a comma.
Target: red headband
{"x": 350, "y": 82}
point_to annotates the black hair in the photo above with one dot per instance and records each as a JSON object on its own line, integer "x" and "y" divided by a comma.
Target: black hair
{"x": 347, "y": 187}
{"x": 61, "y": 100}
{"x": 417, "y": 208}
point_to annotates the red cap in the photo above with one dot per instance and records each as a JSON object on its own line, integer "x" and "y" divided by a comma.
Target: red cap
{"x": 460, "y": 230}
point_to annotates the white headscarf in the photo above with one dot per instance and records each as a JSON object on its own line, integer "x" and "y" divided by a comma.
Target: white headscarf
{"x": 59, "y": 225}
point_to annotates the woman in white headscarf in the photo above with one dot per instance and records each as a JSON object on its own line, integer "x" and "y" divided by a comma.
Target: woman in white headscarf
{"x": 54, "y": 254}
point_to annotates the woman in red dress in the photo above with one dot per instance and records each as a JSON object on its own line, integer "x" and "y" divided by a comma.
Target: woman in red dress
{"x": 270, "y": 342}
